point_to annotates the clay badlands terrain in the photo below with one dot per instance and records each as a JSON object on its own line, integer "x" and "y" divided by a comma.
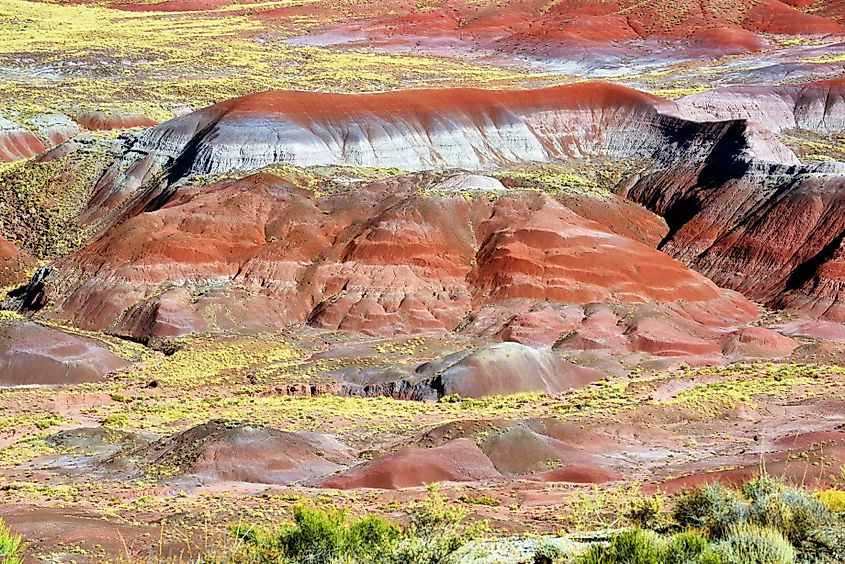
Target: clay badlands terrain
{"x": 562, "y": 258}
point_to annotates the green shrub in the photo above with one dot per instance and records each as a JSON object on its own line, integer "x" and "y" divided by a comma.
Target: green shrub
{"x": 636, "y": 546}
{"x": 639, "y": 546}
{"x": 745, "y": 544}
{"x": 833, "y": 499}
{"x": 548, "y": 553}
{"x": 115, "y": 420}
{"x": 372, "y": 538}
{"x": 436, "y": 531}
{"x": 711, "y": 507}
{"x": 321, "y": 536}
{"x": 328, "y": 536}
{"x": 812, "y": 529}
{"x": 690, "y": 547}
{"x": 11, "y": 545}
{"x": 315, "y": 535}
{"x": 647, "y": 512}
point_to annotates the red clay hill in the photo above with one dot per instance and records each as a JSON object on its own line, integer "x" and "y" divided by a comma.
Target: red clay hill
{"x": 546, "y": 26}
{"x": 382, "y": 259}
{"x": 543, "y": 27}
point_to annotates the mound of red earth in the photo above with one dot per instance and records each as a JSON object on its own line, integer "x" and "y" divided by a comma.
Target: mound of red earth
{"x": 41, "y": 133}
{"x": 17, "y": 143}
{"x": 494, "y": 370}
{"x": 384, "y": 258}
{"x": 15, "y": 265}
{"x": 34, "y": 354}
{"x": 815, "y": 106}
{"x": 456, "y": 461}
{"x": 540, "y": 449}
{"x": 96, "y": 120}
{"x": 237, "y": 452}
{"x": 396, "y": 257}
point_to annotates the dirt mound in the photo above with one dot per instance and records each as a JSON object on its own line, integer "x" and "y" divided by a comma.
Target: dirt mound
{"x": 758, "y": 342}
{"x": 503, "y": 369}
{"x": 541, "y": 449}
{"x": 457, "y": 461}
{"x": 84, "y": 449}
{"x": 15, "y": 265}
{"x": 34, "y": 354}
{"x": 17, "y": 143}
{"x": 100, "y": 120}
{"x": 238, "y": 452}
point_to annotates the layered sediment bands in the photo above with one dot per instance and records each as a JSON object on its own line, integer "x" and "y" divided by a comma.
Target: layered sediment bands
{"x": 17, "y": 143}
{"x": 410, "y": 129}
{"x": 534, "y": 248}
{"x": 384, "y": 258}
{"x": 99, "y": 120}
{"x": 815, "y": 106}
{"x": 53, "y": 129}
{"x": 417, "y": 130}
{"x": 772, "y": 232}
{"x": 532, "y": 447}
{"x": 559, "y": 28}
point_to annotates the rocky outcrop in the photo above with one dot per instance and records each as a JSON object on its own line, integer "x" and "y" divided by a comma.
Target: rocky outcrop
{"x": 816, "y": 106}
{"x": 33, "y": 354}
{"x": 504, "y": 369}
{"x": 771, "y": 232}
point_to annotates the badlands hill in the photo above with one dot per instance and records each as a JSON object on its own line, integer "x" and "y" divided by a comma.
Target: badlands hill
{"x": 555, "y": 256}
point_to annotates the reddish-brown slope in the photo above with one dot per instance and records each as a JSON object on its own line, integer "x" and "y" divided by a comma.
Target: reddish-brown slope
{"x": 32, "y": 354}
{"x": 555, "y": 27}
{"x": 420, "y": 130}
{"x": 379, "y": 259}
{"x": 15, "y": 265}
{"x": 17, "y": 143}
{"x": 314, "y": 106}
{"x": 457, "y": 461}
{"x": 99, "y": 120}
{"x": 770, "y": 232}
{"x": 535, "y": 248}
